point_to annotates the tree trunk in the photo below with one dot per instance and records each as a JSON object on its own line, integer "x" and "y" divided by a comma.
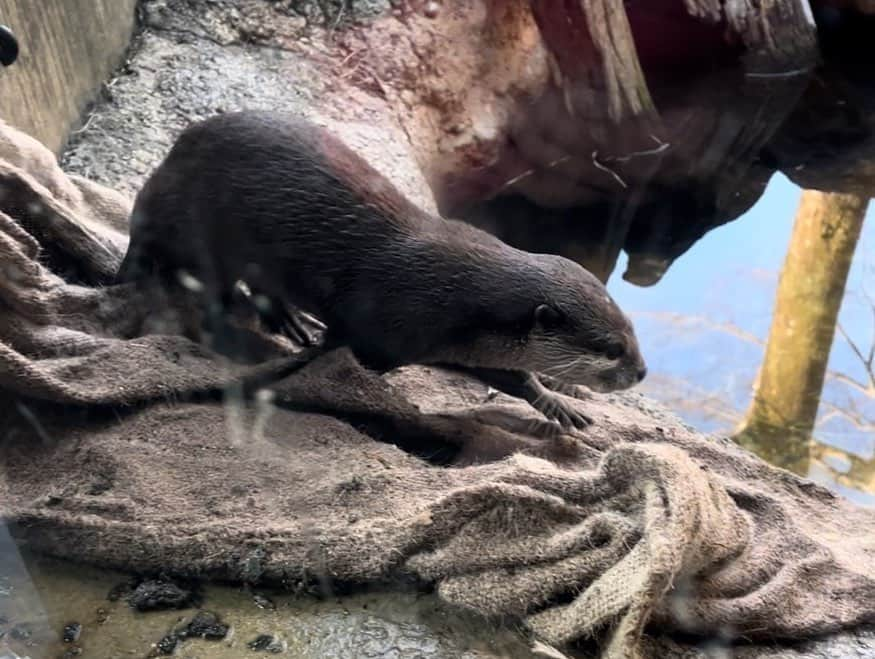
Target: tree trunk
{"x": 781, "y": 418}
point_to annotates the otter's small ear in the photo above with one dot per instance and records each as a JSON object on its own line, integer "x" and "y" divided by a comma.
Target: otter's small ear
{"x": 547, "y": 316}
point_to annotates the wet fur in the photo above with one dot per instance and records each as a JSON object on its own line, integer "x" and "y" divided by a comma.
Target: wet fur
{"x": 288, "y": 208}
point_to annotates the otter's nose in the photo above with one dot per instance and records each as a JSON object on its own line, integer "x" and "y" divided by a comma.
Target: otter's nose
{"x": 642, "y": 373}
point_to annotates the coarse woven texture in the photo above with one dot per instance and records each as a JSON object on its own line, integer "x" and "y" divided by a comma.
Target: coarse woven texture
{"x": 125, "y": 444}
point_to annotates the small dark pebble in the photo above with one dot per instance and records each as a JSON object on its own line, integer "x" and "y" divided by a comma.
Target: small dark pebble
{"x": 72, "y": 632}
{"x": 167, "y": 645}
{"x": 102, "y": 616}
{"x": 118, "y": 591}
{"x": 72, "y": 652}
{"x": 155, "y": 595}
{"x": 266, "y": 643}
{"x": 263, "y": 602}
{"x": 206, "y": 625}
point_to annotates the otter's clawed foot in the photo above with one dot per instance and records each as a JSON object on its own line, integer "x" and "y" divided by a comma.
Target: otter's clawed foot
{"x": 301, "y": 327}
{"x": 511, "y": 422}
{"x": 558, "y": 410}
{"x": 549, "y": 403}
{"x": 280, "y": 317}
{"x": 540, "y": 393}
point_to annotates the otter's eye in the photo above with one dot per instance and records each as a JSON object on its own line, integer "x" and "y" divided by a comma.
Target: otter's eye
{"x": 614, "y": 351}
{"x": 548, "y": 317}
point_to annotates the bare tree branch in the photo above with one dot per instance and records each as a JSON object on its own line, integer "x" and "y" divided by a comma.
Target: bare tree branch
{"x": 853, "y": 417}
{"x": 867, "y": 363}
{"x": 838, "y": 376}
{"x": 681, "y": 319}
{"x": 680, "y": 394}
{"x": 860, "y": 474}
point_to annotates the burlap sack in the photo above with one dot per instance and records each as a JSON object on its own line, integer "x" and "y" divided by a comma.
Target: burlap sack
{"x": 126, "y": 444}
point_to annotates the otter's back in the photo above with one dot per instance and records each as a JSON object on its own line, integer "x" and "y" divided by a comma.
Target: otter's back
{"x": 266, "y": 188}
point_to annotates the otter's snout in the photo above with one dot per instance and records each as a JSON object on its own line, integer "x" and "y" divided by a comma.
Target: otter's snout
{"x": 638, "y": 366}
{"x": 631, "y": 368}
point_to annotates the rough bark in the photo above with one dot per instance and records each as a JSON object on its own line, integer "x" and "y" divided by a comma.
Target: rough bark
{"x": 781, "y": 417}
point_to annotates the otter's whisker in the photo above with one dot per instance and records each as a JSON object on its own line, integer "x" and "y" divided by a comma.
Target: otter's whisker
{"x": 561, "y": 368}
{"x": 569, "y": 367}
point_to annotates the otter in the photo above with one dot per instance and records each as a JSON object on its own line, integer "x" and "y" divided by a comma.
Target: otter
{"x": 286, "y": 207}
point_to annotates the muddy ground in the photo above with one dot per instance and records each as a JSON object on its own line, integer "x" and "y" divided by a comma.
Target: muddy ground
{"x": 49, "y": 610}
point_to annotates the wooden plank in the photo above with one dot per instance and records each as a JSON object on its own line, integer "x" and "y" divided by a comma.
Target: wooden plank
{"x": 67, "y": 49}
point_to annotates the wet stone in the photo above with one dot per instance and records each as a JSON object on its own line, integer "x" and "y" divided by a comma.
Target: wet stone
{"x": 167, "y": 645}
{"x": 118, "y": 591}
{"x": 267, "y": 643}
{"x": 263, "y": 602}
{"x": 156, "y": 595}
{"x": 206, "y": 625}
{"x": 71, "y": 632}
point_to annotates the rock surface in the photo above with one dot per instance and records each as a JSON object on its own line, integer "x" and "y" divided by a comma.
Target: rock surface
{"x": 176, "y": 76}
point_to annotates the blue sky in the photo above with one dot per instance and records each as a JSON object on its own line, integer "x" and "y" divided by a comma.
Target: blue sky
{"x": 730, "y": 276}
{"x": 752, "y": 244}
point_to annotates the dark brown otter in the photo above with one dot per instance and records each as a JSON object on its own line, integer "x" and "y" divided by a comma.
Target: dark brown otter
{"x": 286, "y": 207}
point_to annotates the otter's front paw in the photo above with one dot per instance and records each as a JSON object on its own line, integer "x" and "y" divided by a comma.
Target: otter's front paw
{"x": 551, "y": 404}
{"x": 556, "y": 409}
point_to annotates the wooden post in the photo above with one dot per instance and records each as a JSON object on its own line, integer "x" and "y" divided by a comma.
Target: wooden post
{"x": 67, "y": 48}
{"x": 781, "y": 417}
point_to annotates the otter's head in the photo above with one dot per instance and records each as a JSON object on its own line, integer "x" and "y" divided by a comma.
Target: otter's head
{"x": 578, "y": 334}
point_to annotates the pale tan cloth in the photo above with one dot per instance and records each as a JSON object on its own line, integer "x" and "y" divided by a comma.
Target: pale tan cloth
{"x": 117, "y": 450}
